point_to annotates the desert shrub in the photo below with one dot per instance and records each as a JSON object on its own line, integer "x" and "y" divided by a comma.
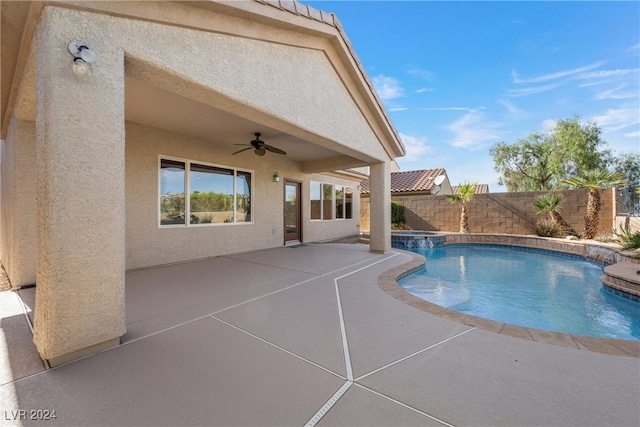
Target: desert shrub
{"x": 628, "y": 239}
{"x": 547, "y": 228}
{"x": 397, "y": 214}
{"x": 607, "y": 238}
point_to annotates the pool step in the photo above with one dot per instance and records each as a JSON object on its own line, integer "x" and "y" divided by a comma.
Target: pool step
{"x": 623, "y": 276}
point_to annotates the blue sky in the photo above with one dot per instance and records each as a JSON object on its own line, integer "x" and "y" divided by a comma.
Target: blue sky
{"x": 457, "y": 77}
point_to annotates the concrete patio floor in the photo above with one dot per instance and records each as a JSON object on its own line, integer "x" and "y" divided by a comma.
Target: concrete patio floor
{"x": 304, "y": 335}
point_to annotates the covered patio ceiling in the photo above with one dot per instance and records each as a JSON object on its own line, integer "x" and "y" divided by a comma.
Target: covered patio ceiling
{"x": 152, "y": 105}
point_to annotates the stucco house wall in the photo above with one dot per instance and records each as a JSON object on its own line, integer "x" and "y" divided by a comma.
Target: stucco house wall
{"x": 80, "y": 161}
{"x": 147, "y": 244}
{"x": 18, "y": 203}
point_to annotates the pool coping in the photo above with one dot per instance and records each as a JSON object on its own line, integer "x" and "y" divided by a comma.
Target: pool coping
{"x": 388, "y": 282}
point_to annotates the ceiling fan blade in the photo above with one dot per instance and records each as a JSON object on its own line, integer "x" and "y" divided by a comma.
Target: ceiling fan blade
{"x": 273, "y": 149}
{"x": 244, "y": 145}
{"x": 244, "y": 149}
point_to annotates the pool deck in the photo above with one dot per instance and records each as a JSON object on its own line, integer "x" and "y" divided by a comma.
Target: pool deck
{"x": 305, "y": 335}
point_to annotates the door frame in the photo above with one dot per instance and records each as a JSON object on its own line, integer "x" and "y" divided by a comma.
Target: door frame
{"x": 298, "y": 185}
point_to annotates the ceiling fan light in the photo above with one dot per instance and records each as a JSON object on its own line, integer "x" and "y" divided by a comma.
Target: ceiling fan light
{"x": 260, "y": 151}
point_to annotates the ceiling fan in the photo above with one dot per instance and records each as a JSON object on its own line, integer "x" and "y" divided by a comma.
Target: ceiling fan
{"x": 260, "y": 148}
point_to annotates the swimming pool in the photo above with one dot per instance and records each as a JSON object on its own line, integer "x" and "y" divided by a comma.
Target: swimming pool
{"x": 530, "y": 288}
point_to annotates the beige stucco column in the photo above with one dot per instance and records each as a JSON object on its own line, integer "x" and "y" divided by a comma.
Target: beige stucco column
{"x": 380, "y": 209}
{"x": 81, "y": 193}
{"x": 18, "y": 214}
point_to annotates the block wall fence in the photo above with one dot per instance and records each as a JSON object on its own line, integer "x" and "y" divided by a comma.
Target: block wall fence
{"x": 510, "y": 213}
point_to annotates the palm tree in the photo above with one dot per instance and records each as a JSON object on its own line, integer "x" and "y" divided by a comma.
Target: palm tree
{"x": 465, "y": 194}
{"x": 593, "y": 181}
{"x": 551, "y": 203}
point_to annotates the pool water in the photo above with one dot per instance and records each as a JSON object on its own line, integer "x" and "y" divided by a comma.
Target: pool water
{"x": 524, "y": 287}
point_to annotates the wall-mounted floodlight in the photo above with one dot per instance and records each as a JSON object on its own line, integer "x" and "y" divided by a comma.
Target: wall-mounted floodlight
{"x": 82, "y": 58}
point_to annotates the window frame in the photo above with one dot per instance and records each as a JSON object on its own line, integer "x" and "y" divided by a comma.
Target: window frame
{"x": 311, "y": 200}
{"x": 334, "y": 200}
{"x": 344, "y": 189}
{"x": 187, "y": 193}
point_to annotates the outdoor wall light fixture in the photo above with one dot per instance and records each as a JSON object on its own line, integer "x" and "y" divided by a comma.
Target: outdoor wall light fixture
{"x": 276, "y": 177}
{"x": 82, "y": 58}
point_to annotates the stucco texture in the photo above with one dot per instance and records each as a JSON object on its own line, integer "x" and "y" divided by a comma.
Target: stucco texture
{"x": 94, "y": 183}
{"x": 80, "y": 193}
{"x": 19, "y": 203}
{"x": 149, "y": 244}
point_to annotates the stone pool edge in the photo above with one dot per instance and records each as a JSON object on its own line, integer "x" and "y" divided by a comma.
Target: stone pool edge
{"x": 388, "y": 282}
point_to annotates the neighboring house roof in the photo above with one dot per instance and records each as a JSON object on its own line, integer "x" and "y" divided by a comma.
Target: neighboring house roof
{"x": 480, "y": 189}
{"x": 409, "y": 181}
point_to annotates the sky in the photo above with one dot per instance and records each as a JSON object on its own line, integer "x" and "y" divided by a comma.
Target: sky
{"x": 457, "y": 77}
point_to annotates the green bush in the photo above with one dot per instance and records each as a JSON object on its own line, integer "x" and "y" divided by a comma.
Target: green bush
{"x": 397, "y": 214}
{"x": 628, "y": 239}
{"x": 547, "y": 228}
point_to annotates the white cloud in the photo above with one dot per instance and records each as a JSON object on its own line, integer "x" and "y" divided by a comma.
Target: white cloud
{"x": 612, "y": 84}
{"x": 532, "y": 90}
{"x": 510, "y": 106}
{"x": 634, "y": 134}
{"x": 634, "y": 49}
{"x": 448, "y": 109}
{"x": 615, "y": 93}
{"x": 387, "y": 87}
{"x": 595, "y": 83}
{"x": 424, "y": 74}
{"x": 473, "y": 131}
{"x": 554, "y": 76}
{"x": 425, "y": 89}
{"x": 618, "y": 118}
{"x": 548, "y": 124}
{"x": 391, "y": 109}
{"x": 605, "y": 74}
{"x": 416, "y": 147}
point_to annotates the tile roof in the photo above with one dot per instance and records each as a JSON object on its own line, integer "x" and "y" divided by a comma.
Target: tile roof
{"x": 409, "y": 181}
{"x": 480, "y": 189}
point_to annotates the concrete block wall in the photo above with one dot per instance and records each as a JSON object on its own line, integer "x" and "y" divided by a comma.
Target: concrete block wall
{"x": 510, "y": 213}
{"x": 630, "y": 222}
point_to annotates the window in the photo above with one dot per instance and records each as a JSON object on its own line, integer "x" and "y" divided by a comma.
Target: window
{"x": 243, "y": 196}
{"x": 344, "y": 202}
{"x": 339, "y": 202}
{"x": 348, "y": 202}
{"x": 172, "y": 184}
{"x": 217, "y": 194}
{"x": 314, "y": 196}
{"x": 328, "y": 200}
{"x": 321, "y": 196}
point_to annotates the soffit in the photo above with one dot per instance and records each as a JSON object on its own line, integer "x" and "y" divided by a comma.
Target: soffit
{"x": 153, "y": 106}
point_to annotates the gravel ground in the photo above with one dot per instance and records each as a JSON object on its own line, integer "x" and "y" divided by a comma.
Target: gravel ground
{"x": 349, "y": 239}
{"x": 5, "y": 285}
